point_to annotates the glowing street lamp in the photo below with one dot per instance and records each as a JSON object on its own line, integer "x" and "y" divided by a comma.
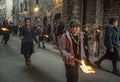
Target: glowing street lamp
{"x": 36, "y": 9}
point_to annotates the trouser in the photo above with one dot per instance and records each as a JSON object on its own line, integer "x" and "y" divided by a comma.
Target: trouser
{"x": 56, "y": 40}
{"x": 41, "y": 40}
{"x": 59, "y": 41}
{"x": 43, "y": 43}
{"x": 27, "y": 56}
{"x": 88, "y": 60}
{"x": 112, "y": 56}
{"x": 87, "y": 56}
{"x": 72, "y": 72}
{"x": 5, "y": 40}
{"x": 97, "y": 48}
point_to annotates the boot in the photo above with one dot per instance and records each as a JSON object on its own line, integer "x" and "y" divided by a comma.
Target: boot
{"x": 43, "y": 45}
{"x": 28, "y": 61}
{"x": 39, "y": 45}
{"x": 97, "y": 63}
{"x": 116, "y": 72}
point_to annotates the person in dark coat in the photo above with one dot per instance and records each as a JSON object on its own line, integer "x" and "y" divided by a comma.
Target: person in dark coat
{"x": 49, "y": 32}
{"x": 28, "y": 35}
{"x": 55, "y": 34}
{"x": 60, "y": 30}
{"x": 5, "y": 32}
{"x": 111, "y": 41}
{"x": 85, "y": 42}
{"x": 6, "y": 37}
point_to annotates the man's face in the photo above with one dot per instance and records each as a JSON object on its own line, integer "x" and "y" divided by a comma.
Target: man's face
{"x": 27, "y": 22}
{"x": 75, "y": 29}
{"x": 116, "y": 23}
{"x": 87, "y": 29}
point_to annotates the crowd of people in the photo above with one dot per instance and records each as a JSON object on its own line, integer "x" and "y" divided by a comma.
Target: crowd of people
{"x": 75, "y": 45}
{"x": 71, "y": 39}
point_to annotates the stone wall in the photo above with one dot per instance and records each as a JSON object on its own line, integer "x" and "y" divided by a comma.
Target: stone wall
{"x": 88, "y": 12}
{"x": 111, "y": 9}
{"x": 68, "y": 6}
{"x": 91, "y": 11}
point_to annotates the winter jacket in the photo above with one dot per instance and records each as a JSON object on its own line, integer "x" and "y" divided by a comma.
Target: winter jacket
{"x": 28, "y": 36}
{"x": 66, "y": 48}
{"x": 111, "y": 39}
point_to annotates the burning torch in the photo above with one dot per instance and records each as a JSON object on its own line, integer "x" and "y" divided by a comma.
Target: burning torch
{"x": 85, "y": 68}
{"x": 98, "y": 30}
{"x": 4, "y": 29}
{"x": 46, "y": 36}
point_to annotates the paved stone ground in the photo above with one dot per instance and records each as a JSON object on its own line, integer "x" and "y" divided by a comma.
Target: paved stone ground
{"x": 47, "y": 66}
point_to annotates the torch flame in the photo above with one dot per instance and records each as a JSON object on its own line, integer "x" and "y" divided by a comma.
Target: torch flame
{"x": 4, "y": 29}
{"x": 98, "y": 30}
{"x": 85, "y": 68}
{"x": 46, "y": 36}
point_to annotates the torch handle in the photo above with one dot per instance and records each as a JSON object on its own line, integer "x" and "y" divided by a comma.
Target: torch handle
{"x": 75, "y": 59}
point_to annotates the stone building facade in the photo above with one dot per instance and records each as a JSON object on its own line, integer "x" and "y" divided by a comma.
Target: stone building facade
{"x": 87, "y": 11}
{"x": 48, "y": 11}
{"x": 15, "y": 11}
{"x": 6, "y": 10}
{"x": 84, "y": 10}
{"x": 94, "y": 13}
{"x": 2, "y": 10}
{"x": 111, "y": 9}
{"x": 57, "y": 11}
{"x": 91, "y": 11}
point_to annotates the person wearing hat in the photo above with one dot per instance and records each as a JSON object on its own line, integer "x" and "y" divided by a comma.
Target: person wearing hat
{"x": 72, "y": 47}
{"x": 28, "y": 35}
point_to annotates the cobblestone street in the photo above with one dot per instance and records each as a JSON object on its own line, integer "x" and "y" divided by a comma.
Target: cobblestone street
{"x": 47, "y": 66}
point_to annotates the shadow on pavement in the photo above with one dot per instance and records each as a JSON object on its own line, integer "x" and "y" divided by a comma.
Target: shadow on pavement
{"x": 37, "y": 75}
